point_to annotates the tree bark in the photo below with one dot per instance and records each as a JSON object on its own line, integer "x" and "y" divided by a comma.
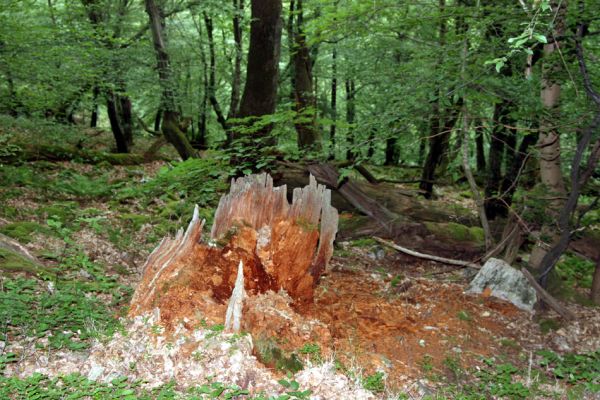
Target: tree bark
{"x": 238, "y": 7}
{"x": 304, "y": 99}
{"x": 549, "y": 139}
{"x": 351, "y": 152}
{"x": 112, "y": 108}
{"x": 391, "y": 152}
{"x": 94, "y": 114}
{"x": 479, "y": 147}
{"x": 499, "y": 145}
{"x": 333, "y": 127}
{"x": 171, "y": 119}
{"x": 260, "y": 90}
{"x": 212, "y": 95}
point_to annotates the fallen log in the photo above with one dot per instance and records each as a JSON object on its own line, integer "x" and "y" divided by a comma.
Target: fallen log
{"x": 280, "y": 245}
{"x": 413, "y": 253}
{"x": 70, "y": 153}
{"x": 547, "y": 297}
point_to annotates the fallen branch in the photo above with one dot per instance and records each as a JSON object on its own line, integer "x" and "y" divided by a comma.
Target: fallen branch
{"x": 413, "y": 253}
{"x": 547, "y": 297}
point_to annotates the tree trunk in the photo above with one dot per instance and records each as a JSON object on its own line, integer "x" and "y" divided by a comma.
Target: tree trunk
{"x": 212, "y": 85}
{"x": 112, "y": 108}
{"x": 549, "y": 139}
{"x": 436, "y": 135}
{"x": 391, "y": 152}
{"x": 200, "y": 140}
{"x": 438, "y": 146}
{"x": 120, "y": 114}
{"x": 304, "y": 99}
{"x": 94, "y": 115}
{"x": 494, "y": 205}
{"x": 260, "y": 90}
{"x": 351, "y": 152}
{"x": 332, "y": 128}
{"x": 171, "y": 124}
{"x": 479, "y": 148}
{"x": 238, "y": 7}
{"x": 125, "y": 118}
{"x": 157, "y": 119}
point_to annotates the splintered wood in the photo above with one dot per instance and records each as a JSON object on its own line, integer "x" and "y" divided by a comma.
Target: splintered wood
{"x": 281, "y": 246}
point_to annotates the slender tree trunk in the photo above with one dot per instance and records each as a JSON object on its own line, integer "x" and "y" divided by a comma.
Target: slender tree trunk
{"x": 391, "y": 152}
{"x": 260, "y": 91}
{"x": 479, "y": 148}
{"x": 494, "y": 205}
{"x": 94, "y": 115}
{"x": 436, "y": 135}
{"x": 212, "y": 95}
{"x": 438, "y": 145}
{"x": 238, "y": 6}
{"x": 549, "y": 139}
{"x": 125, "y": 117}
{"x": 112, "y": 106}
{"x": 171, "y": 123}
{"x": 351, "y": 152}
{"x": 201, "y": 142}
{"x": 304, "y": 99}
{"x": 158, "y": 119}
{"x": 332, "y": 128}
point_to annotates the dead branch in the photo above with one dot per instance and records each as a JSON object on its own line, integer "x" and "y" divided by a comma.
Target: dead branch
{"x": 547, "y": 297}
{"x": 413, "y": 253}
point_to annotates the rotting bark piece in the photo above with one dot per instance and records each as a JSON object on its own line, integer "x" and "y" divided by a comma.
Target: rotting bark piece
{"x": 280, "y": 245}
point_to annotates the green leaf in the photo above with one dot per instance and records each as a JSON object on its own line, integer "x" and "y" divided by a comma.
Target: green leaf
{"x": 540, "y": 38}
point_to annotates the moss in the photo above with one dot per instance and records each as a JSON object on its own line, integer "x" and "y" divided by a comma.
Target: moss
{"x": 268, "y": 353}
{"x": 22, "y": 231}
{"x": 352, "y": 223}
{"x": 458, "y": 232}
{"x": 11, "y": 261}
{"x": 364, "y": 242}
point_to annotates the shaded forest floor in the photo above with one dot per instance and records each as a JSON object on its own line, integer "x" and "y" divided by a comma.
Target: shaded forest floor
{"x": 399, "y": 327}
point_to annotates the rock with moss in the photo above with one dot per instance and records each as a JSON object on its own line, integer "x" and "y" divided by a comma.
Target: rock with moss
{"x": 457, "y": 232}
{"x": 16, "y": 258}
{"x": 23, "y": 231}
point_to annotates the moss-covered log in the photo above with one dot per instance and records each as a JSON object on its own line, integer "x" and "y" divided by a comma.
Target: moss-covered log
{"x": 49, "y": 152}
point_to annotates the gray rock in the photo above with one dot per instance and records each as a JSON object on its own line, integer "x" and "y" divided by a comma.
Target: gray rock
{"x": 506, "y": 283}
{"x": 95, "y": 372}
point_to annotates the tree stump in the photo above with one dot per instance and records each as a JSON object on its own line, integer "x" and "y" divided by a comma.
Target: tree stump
{"x": 281, "y": 246}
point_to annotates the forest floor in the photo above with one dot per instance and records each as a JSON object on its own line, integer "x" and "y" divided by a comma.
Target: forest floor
{"x": 397, "y": 327}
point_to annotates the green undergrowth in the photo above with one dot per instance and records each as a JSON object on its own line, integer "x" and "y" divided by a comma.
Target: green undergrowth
{"x": 23, "y": 231}
{"x": 68, "y": 313}
{"x": 176, "y": 189}
{"x": 579, "y": 375}
{"x": 76, "y": 386}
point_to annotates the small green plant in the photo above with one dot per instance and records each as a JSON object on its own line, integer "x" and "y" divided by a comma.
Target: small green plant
{"x": 464, "y": 316}
{"x": 313, "y": 351}
{"x": 293, "y": 389}
{"x": 427, "y": 363}
{"x": 574, "y": 368}
{"x": 375, "y": 382}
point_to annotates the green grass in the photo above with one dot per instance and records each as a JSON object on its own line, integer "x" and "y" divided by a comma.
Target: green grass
{"x": 76, "y": 386}
{"x": 69, "y": 314}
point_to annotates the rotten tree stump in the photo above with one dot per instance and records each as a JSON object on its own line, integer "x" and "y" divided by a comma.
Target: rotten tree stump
{"x": 281, "y": 246}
